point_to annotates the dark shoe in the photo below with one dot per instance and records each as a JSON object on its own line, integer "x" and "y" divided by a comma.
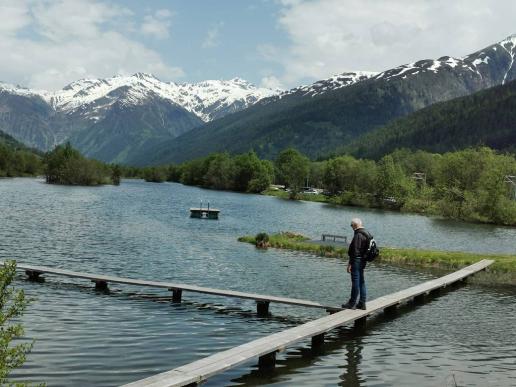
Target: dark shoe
{"x": 348, "y": 305}
{"x": 361, "y": 305}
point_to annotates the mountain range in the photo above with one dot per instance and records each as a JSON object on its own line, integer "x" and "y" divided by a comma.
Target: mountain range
{"x": 112, "y": 118}
{"x": 319, "y": 124}
{"x": 141, "y": 120}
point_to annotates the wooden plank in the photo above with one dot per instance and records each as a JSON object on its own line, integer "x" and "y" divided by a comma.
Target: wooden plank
{"x": 200, "y": 370}
{"x": 170, "y": 285}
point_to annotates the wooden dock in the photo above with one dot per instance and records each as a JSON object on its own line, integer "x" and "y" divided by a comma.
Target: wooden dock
{"x": 265, "y": 348}
{"x": 101, "y": 282}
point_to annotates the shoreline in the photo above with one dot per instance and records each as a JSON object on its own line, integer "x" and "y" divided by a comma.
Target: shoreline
{"x": 502, "y": 272}
{"x": 320, "y": 198}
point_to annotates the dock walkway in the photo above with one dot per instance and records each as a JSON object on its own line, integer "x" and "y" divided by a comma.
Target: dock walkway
{"x": 266, "y": 348}
{"x": 101, "y": 282}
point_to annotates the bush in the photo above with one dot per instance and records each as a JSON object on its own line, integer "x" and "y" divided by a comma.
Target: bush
{"x": 262, "y": 240}
{"x": 65, "y": 165}
{"x": 12, "y": 306}
{"x": 155, "y": 175}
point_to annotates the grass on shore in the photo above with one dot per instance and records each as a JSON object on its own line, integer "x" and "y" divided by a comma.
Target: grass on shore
{"x": 503, "y": 271}
{"x": 279, "y": 193}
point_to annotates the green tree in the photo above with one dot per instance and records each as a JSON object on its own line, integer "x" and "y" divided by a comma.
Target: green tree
{"x": 174, "y": 173}
{"x": 221, "y": 172}
{"x": 249, "y": 168}
{"x": 193, "y": 172}
{"x": 155, "y": 174}
{"x": 12, "y": 305}
{"x": 66, "y": 165}
{"x": 261, "y": 178}
{"x": 18, "y": 162}
{"x": 340, "y": 174}
{"x": 116, "y": 174}
{"x": 292, "y": 169}
{"x": 392, "y": 183}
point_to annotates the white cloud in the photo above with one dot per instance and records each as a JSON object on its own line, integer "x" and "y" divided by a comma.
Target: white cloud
{"x": 14, "y": 15}
{"x": 49, "y": 44}
{"x": 271, "y": 82}
{"x": 157, "y": 25}
{"x": 212, "y": 37}
{"x": 333, "y": 36}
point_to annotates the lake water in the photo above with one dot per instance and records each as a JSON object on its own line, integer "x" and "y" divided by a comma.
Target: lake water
{"x": 143, "y": 230}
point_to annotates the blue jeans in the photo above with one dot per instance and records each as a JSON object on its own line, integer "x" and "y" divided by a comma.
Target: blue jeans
{"x": 358, "y": 265}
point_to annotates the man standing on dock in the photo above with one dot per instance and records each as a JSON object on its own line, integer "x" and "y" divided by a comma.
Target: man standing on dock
{"x": 356, "y": 265}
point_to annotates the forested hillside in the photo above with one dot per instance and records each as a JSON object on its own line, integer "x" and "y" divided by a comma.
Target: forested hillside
{"x": 16, "y": 159}
{"x": 321, "y": 124}
{"x": 484, "y": 118}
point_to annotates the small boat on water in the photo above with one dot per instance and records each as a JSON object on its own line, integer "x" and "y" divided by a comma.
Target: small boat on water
{"x": 204, "y": 212}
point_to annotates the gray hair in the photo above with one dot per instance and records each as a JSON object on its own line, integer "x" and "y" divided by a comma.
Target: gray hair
{"x": 357, "y": 222}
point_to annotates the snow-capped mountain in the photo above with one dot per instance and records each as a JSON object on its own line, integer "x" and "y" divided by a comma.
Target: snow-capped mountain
{"x": 140, "y": 103}
{"x": 333, "y": 83}
{"x": 212, "y": 99}
{"x": 322, "y": 118}
{"x": 478, "y": 63}
{"x": 128, "y": 118}
{"x": 208, "y": 100}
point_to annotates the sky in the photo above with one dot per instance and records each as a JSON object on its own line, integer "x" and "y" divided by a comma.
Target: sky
{"x": 272, "y": 43}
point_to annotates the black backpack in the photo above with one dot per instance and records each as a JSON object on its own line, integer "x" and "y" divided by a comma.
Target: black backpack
{"x": 372, "y": 250}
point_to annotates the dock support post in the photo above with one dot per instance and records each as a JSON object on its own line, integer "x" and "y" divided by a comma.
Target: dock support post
{"x": 176, "y": 295}
{"x": 262, "y": 308}
{"x": 34, "y": 275}
{"x": 360, "y": 323}
{"x": 317, "y": 342}
{"x": 419, "y": 299}
{"x": 101, "y": 285}
{"x": 268, "y": 361}
{"x": 390, "y": 310}
{"x": 435, "y": 291}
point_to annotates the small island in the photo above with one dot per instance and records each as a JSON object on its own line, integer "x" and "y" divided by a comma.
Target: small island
{"x": 502, "y": 272}
{"x": 67, "y": 166}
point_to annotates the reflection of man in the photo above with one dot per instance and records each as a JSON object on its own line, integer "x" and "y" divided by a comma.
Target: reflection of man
{"x": 357, "y": 264}
{"x": 352, "y": 376}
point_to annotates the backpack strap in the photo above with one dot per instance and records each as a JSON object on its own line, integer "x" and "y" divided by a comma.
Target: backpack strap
{"x": 365, "y": 233}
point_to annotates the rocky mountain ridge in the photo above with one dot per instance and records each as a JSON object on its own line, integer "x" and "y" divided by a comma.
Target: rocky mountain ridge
{"x": 119, "y": 113}
{"x": 321, "y": 123}
{"x": 208, "y": 99}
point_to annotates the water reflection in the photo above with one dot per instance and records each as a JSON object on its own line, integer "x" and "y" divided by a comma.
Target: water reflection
{"x": 352, "y": 376}
{"x": 141, "y": 230}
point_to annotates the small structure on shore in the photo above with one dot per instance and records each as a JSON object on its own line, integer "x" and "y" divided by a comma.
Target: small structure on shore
{"x": 204, "y": 212}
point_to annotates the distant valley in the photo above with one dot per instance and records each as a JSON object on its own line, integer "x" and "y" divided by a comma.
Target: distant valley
{"x": 111, "y": 119}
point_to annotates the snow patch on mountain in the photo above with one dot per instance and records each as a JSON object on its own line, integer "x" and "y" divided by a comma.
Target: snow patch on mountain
{"x": 509, "y": 45}
{"x": 208, "y": 100}
{"x": 510, "y": 40}
{"x": 470, "y": 62}
{"x": 20, "y": 90}
{"x": 478, "y": 61}
{"x": 335, "y": 82}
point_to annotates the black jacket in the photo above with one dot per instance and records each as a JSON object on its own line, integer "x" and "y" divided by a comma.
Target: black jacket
{"x": 359, "y": 243}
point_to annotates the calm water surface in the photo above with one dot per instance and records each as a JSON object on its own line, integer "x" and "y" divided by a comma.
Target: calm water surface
{"x": 142, "y": 230}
